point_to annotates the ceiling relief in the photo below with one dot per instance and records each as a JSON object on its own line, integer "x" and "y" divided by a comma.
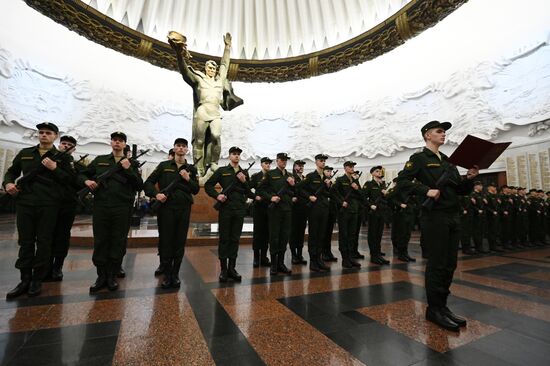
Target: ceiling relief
{"x": 270, "y": 46}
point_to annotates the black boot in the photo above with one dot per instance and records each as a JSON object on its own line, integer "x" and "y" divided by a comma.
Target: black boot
{"x": 295, "y": 257}
{"x": 435, "y": 315}
{"x": 101, "y": 281}
{"x": 232, "y": 272}
{"x": 313, "y": 263}
{"x": 322, "y": 266}
{"x": 409, "y": 258}
{"x": 120, "y": 273}
{"x": 160, "y": 269}
{"x": 57, "y": 269}
{"x": 354, "y": 263}
{"x": 273, "y": 270}
{"x": 460, "y": 321}
{"x": 357, "y": 255}
{"x": 281, "y": 264}
{"x": 23, "y": 286}
{"x": 176, "y": 282}
{"x": 167, "y": 281}
{"x": 223, "y": 270}
{"x": 112, "y": 284}
{"x": 264, "y": 261}
{"x": 346, "y": 261}
{"x": 35, "y": 288}
{"x": 329, "y": 257}
{"x": 256, "y": 261}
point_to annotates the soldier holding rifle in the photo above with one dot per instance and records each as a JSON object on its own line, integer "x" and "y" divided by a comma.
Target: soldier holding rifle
{"x": 114, "y": 195}
{"x": 440, "y": 224}
{"x": 173, "y": 184}
{"x": 231, "y": 202}
{"x": 46, "y": 171}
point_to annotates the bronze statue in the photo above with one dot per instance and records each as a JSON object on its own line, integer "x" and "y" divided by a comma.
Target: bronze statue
{"x": 211, "y": 90}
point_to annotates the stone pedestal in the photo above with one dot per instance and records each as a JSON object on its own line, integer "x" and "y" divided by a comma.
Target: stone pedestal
{"x": 203, "y": 208}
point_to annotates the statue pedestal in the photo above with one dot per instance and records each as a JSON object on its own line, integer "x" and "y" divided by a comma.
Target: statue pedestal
{"x": 203, "y": 208}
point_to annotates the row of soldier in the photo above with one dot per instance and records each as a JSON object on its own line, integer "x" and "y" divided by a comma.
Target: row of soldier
{"x": 509, "y": 218}
{"x": 284, "y": 203}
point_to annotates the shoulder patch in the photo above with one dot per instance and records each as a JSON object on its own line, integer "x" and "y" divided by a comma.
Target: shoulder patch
{"x": 431, "y": 165}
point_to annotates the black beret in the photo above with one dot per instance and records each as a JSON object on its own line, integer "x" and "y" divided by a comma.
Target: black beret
{"x": 180, "y": 140}
{"x": 350, "y": 163}
{"x": 375, "y": 167}
{"x": 47, "y": 126}
{"x": 299, "y": 162}
{"x": 120, "y": 135}
{"x": 283, "y": 156}
{"x": 68, "y": 138}
{"x": 236, "y": 149}
{"x": 321, "y": 157}
{"x": 265, "y": 159}
{"x": 435, "y": 124}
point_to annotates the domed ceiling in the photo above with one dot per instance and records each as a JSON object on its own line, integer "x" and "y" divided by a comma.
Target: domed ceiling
{"x": 273, "y": 40}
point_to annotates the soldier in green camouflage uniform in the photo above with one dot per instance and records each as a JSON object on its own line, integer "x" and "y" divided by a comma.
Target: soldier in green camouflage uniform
{"x": 375, "y": 191}
{"x": 232, "y": 211}
{"x": 37, "y": 206}
{"x": 299, "y": 217}
{"x": 113, "y": 204}
{"x": 260, "y": 240}
{"x": 492, "y": 212}
{"x": 479, "y": 202}
{"x": 175, "y": 209}
{"x": 466, "y": 222}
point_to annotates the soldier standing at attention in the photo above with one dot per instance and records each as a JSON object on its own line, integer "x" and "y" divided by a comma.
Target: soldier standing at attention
{"x": 440, "y": 225}
{"x": 66, "y": 215}
{"x": 260, "y": 238}
{"x": 113, "y": 204}
{"x": 316, "y": 189}
{"x": 277, "y": 188}
{"x": 232, "y": 211}
{"x": 479, "y": 202}
{"x": 175, "y": 210}
{"x": 375, "y": 191}
{"x": 492, "y": 212}
{"x": 299, "y": 216}
{"x": 466, "y": 223}
{"x": 37, "y": 206}
{"x": 347, "y": 196}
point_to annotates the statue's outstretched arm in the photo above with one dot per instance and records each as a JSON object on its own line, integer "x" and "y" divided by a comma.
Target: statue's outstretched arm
{"x": 224, "y": 64}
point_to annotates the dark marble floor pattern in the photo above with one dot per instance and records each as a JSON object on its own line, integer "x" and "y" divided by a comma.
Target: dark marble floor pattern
{"x": 373, "y": 316}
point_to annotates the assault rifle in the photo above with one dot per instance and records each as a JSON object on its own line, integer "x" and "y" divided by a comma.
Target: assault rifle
{"x": 230, "y": 188}
{"x": 111, "y": 173}
{"x": 278, "y": 194}
{"x": 443, "y": 180}
{"x": 318, "y": 191}
{"x": 351, "y": 190}
{"x": 36, "y": 173}
{"x": 175, "y": 183}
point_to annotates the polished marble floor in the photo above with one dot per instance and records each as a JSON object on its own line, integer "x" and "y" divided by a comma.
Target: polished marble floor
{"x": 373, "y": 316}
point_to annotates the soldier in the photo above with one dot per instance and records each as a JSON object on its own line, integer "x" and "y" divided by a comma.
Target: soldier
{"x": 466, "y": 223}
{"x": 259, "y": 215}
{"x": 47, "y": 173}
{"x": 347, "y": 196}
{"x": 522, "y": 218}
{"x": 492, "y": 213}
{"x": 506, "y": 207}
{"x": 66, "y": 215}
{"x": 232, "y": 211}
{"x": 402, "y": 225}
{"x": 299, "y": 217}
{"x": 175, "y": 209}
{"x": 479, "y": 202}
{"x": 326, "y": 241}
{"x": 375, "y": 191}
{"x": 277, "y": 187}
{"x": 113, "y": 204}
{"x": 316, "y": 189}
{"x": 440, "y": 224}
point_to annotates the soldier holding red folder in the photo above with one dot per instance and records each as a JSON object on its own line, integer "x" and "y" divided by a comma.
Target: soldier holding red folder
{"x": 440, "y": 222}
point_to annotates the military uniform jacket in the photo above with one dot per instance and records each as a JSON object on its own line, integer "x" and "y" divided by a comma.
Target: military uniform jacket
{"x": 426, "y": 167}
{"x": 117, "y": 192}
{"x": 275, "y": 181}
{"x": 225, "y": 176}
{"x": 522, "y": 206}
{"x": 164, "y": 174}
{"x": 374, "y": 196}
{"x": 49, "y": 188}
{"x": 255, "y": 180}
{"x": 341, "y": 188}
{"x": 478, "y": 201}
{"x": 310, "y": 185}
{"x": 69, "y": 193}
{"x": 493, "y": 205}
{"x": 466, "y": 205}
{"x": 301, "y": 202}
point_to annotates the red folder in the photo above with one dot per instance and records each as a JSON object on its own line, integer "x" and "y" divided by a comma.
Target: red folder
{"x": 475, "y": 151}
